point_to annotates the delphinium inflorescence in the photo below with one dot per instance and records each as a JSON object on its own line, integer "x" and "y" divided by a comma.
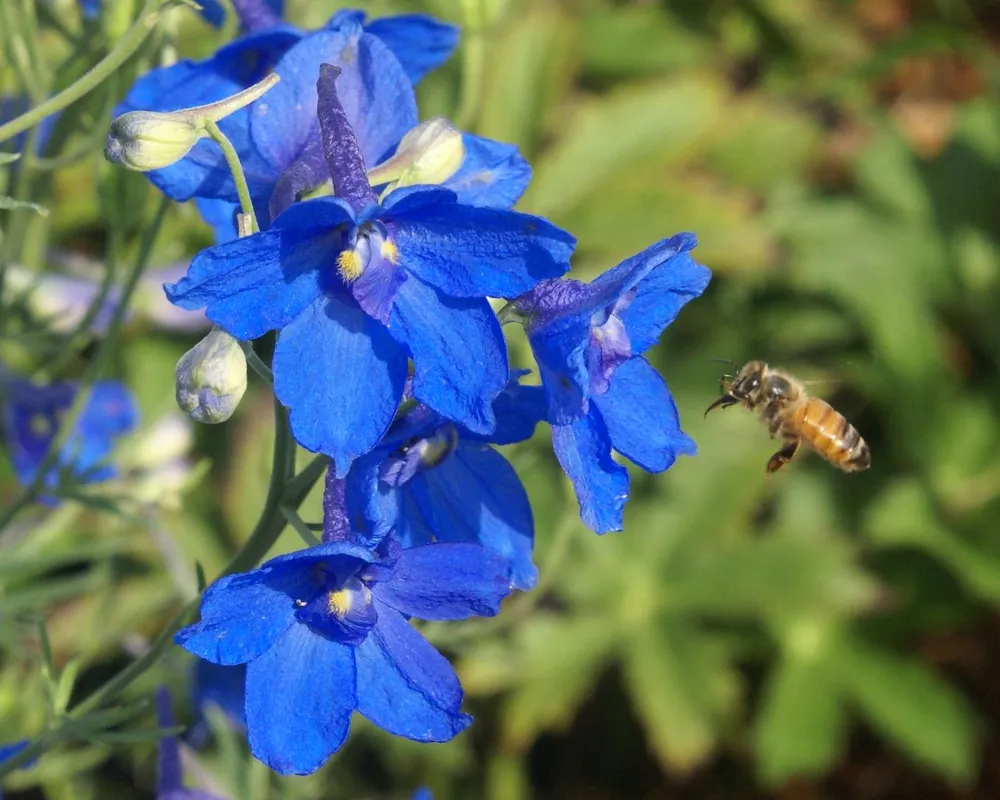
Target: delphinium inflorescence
{"x": 369, "y": 245}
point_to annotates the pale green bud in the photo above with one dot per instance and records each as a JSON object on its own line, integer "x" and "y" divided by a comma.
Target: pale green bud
{"x": 146, "y": 140}
{"x": 211, "y": 378}
{"x": 430, "y": 153}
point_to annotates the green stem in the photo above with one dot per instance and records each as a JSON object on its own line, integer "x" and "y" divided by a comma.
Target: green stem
{"x": 235, "y": 167}
{"x": 473, "y": 64}
{"x": 93, "y": 373}
{"x": 272, "y": 522}
{"x": 104, "y": 69}
{"x": 255, "y": 362}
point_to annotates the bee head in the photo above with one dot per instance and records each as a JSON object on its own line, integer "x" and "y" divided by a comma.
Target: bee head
{"x": 748, "y": 381}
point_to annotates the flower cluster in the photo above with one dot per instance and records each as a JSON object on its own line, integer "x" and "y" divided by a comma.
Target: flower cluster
{"x": 377, "y": 245}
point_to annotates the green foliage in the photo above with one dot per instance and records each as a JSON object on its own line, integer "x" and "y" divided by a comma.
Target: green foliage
{"x": 850, "y": 218}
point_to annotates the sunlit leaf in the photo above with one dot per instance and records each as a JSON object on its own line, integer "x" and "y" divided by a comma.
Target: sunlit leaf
{"x": 909, "y": 704}
{"x": 682, "y": 688}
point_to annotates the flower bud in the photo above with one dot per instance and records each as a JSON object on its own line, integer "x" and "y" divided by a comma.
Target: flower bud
{"x": 211, "y": 378}
{"x": 145, "y": 140}
{"x": 430, "y": 153}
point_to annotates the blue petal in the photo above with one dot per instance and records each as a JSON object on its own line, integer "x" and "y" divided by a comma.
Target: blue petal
{"x": 12, "y": 749}
{"x": 476, "y": 496}
{"x": 405, "y": 686}
{"x": 254, "y": 14}
{"x": 110, "y": 412}
{"x": 409, "y": 524}
{"x": 561, "y": 354}
{"x": 168, "y": 771}
{"x": 474, "y": 252}
{"x": 262, "y": 282}
{"x": 223, "y": 687}
{"x": 493, "y": 174}
{"x": 659, "y": 298}
{"x": 641, "y": 417}
{"x": 243, "y": 615}
{"x": 458, "y": 351}
{"x": 220, "y": 215}
{"x": 341, "y": 375}
{"x": 258, "y": 15}
{"x": 300, "y": 695}
{"x": 203, "y": 172}
{"x": 584, "y": 451}
{"x": 518, "y": 410}
{"x": 421, "y": 43}
{"x": 375, "y": 93}
{"x": 447, "y": 581}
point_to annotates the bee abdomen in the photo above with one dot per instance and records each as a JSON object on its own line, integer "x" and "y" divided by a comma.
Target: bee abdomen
{"x": 829, "y": 433}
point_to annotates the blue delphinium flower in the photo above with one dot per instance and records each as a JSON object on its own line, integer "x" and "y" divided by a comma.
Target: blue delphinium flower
{"x": 357, "y": 286}
{"x": 324, "y": 633}
{"x": 30, "y": 416}
{"x": 588, "y": 340}
{"x": 433, "y": 480}
{"x": 169, "y": 774}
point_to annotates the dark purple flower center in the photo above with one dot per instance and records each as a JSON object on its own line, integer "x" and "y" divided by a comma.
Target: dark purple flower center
{"x": 344, "y": 613}
{"x": 419, "y": 455}
{"x": 609, "y": 345}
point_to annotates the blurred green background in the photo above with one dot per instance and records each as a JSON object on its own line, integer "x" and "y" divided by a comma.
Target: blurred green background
{"x": 820, "y": 636}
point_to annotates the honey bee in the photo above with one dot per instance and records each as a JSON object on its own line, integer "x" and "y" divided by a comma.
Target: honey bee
{"x": 794, "y": 416}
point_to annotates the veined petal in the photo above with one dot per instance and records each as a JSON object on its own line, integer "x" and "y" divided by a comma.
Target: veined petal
{"x": 641, "y": 417}
{"x": 243, "y": 615}
{"x": 584, "y": 451}
{"x": 561, "y": 355}
{"x": 467, "y": 251}
{"x": 458, "y": 351}
{"x": 300, "y": 695}
{"x": 518, "y": 410}
{"x": 341, "y": 376}
{"x": 447, "y": 581}
{"x": 493, "y": 174}
{"x": 262, "y": 282}
{"x": 476, "y": 496}
{"x": 374, "y": 91}
{"x": 659, "y": 298}
{"x": 405, "y": 686}
{"x": 421, "y": 43}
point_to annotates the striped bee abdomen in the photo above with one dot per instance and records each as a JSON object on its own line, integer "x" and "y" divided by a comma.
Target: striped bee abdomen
{"x": 829, "y": 433}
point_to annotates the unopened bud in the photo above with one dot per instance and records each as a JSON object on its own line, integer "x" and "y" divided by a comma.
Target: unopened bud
{"x": 430, "y": 153}
{"x": 211, "y": 378}
{"x": 147, "y": 140}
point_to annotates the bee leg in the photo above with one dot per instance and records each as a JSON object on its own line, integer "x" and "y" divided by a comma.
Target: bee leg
{"x": 782, "y": 457}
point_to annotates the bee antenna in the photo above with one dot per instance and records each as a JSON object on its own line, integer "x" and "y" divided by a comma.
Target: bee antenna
{"x": 726, "y": 361}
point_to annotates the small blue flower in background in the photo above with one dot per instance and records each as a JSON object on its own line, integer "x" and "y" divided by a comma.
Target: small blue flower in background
{"x": 324, "y": 632}
{"x": 357, "y": 287}
{"x": 11, "y": 750}
{"x": 170, "y": 776}
{"x": 222, "y": 687}
{"x": 588, "y": 340}
{"x": 254, "y": 15}
{"x": 30, "y": 416}
{"x": 433, "y": 480}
